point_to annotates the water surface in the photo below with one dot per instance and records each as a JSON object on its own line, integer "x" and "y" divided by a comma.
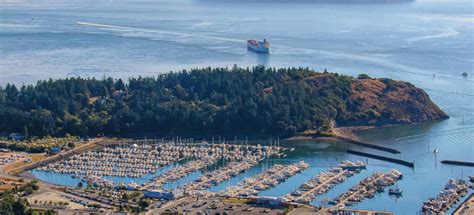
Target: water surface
{"x": 426, "y": 43}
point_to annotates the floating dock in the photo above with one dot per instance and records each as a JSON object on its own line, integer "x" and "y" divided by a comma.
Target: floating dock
{"x": 453, "y": 191}
{"x": 366, "y": 188}
{"x": 265, "y": 180}
{"x": 323, "y": 182}
{"x": 380, "y": 157}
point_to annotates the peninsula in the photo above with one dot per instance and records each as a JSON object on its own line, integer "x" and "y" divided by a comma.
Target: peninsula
{"x": 212, "y": 101}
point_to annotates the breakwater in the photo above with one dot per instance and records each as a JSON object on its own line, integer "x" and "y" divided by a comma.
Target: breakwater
{"x": 384, "y": 158}
{"x": 368, "y": 145}
{"x": 459, "y": 163}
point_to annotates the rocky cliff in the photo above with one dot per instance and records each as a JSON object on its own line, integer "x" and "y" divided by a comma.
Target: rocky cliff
{"x": 385, "y": 101}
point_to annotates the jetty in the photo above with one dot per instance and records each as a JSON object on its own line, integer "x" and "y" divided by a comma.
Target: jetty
{"x": 368, "y": 145}
{"x": 366, "y": 188}
{"x": 383, "y": 158}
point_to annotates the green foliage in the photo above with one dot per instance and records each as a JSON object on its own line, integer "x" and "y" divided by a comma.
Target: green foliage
{"x": 11, "y": 202}
{"x": 200, "y": 101}
{"x": 363, "y": 76}
{"x": 34, "y": 145}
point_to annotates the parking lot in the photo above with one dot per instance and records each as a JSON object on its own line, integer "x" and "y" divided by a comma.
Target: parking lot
{"x": 214, "y": 206}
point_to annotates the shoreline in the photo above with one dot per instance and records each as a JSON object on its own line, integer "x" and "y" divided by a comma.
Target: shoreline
{"x": 344, "y": 134}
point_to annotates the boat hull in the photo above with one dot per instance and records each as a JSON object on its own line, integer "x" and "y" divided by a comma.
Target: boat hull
{"x": 258, "y": 46}
{"x": 258, "y": 49}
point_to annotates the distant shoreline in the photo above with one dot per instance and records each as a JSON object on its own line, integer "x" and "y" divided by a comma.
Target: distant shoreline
{"x": 314, "y": 1}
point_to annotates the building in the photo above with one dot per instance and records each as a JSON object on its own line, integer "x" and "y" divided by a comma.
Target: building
{"x": 16, "y": 136}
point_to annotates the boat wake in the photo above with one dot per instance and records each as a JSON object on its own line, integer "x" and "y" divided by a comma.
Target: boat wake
{"x": 463, "y": 132}
{"x": 280, "y": 49}
{"x": 134, "y": 30}
{"x": 449, "y": 32}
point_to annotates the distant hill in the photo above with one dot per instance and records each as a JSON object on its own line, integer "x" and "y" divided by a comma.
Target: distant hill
{"x": 212, "y": 101}
{"x": 315, "y": 1}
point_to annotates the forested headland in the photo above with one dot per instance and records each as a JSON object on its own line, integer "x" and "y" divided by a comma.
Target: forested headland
{"x": 211, "y": 101}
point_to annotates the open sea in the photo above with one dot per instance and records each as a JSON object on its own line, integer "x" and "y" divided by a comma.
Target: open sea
{"x": 428, "y": 43}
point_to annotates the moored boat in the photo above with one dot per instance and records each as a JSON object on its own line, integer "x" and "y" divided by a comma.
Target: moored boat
{"x": 395, "y": 192}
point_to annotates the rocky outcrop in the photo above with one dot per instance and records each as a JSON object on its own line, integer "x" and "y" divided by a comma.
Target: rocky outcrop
{"x": 385, "y": 101}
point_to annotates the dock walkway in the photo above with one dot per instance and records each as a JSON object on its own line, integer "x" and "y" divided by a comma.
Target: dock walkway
{"x": 342, "y": 203}
{"x": 222, "y": 174}
{"x": 319, "y": 186}
{"x": 367, "y": 188}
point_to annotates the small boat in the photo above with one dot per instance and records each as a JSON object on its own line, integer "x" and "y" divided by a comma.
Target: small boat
{"x": 395, "y": 192}
{"x": 258, "y": 46}
{"x": 464, "y": 74}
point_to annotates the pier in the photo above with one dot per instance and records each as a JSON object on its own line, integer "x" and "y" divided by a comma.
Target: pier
{"x": 177, "y": 173}
{"x": 383, "y": 158}
{"x": 450, "y": 195}
{"x": 324, "y": 182}
{"x": 467, "y": 207}
{"x": 224, "y": 173}
{"x": 366, "y": 188}
{"x": 270, "y": 178}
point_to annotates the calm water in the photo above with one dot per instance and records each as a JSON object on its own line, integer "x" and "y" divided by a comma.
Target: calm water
{"x": 408, "y": 42}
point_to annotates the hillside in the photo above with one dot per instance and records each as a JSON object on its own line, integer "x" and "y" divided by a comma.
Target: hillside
{"x": 212, "y": 101}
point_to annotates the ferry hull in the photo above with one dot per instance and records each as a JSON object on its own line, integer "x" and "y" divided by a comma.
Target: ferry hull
{"x": 258, "y": 50}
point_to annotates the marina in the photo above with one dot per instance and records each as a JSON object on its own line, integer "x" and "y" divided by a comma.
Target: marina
{"x": 177, "y": 173}
{"x": 427, "y": 43}
{"x": 323, "y": 182}
{"x": 367, "y": 188}
{"x": 220, "y": 168}
{"x": 218, "y": 176}
{"x": 453, "y": 191}
{"x": 137, "y": 159}
{"x": 263, "y": 181}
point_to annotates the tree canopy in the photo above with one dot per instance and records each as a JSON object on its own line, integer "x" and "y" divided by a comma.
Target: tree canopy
{"x": 254, "y": 100}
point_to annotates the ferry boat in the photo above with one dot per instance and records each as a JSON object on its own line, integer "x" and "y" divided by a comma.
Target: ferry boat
{"x": 258, "y": 46}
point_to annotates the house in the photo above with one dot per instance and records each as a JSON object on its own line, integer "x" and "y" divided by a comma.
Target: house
{"x": 55, "y": 150}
